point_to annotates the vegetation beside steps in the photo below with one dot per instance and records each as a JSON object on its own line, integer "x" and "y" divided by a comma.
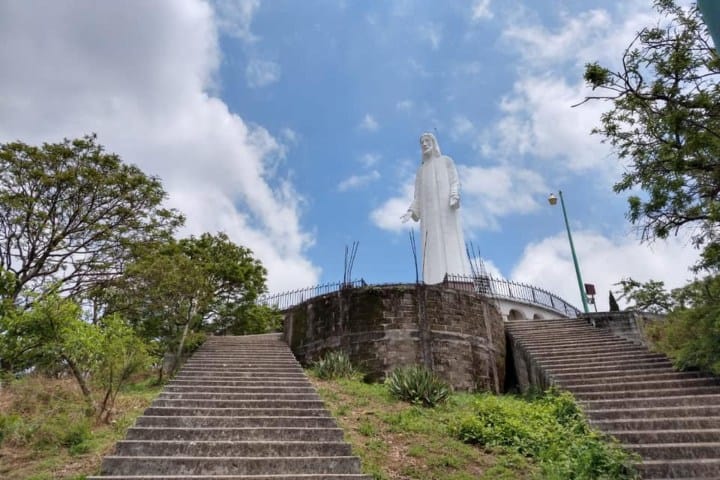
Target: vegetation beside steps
{"x": 45, "y": 432}
{"x": 470, "y": 436}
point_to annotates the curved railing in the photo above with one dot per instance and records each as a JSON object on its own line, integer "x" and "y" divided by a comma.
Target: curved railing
{"x": 486, "y": 285}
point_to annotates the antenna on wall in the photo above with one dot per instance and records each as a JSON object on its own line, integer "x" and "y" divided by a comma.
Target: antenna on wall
{"x": 349, "y": 262}
{"x": 413, "y": 246}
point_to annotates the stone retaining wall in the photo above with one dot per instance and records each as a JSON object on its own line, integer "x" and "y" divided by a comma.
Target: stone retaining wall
{"x": 459, "y": 335}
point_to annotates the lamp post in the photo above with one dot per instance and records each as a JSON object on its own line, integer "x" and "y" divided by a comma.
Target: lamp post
{"x": 552, "y": 199}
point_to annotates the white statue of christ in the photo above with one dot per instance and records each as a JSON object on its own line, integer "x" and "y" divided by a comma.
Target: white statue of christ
{"x": 436, "y": 205}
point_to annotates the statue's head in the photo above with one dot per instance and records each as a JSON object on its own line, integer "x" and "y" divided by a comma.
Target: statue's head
{"x": 429, "y": 145}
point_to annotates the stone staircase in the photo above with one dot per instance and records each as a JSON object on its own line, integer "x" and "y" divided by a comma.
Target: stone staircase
{"x": 241, "y": 408}
{"x": 671, "y": 419}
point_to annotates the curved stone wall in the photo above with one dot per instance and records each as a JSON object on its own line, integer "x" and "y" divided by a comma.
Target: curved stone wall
{"x": 459, "y": 335}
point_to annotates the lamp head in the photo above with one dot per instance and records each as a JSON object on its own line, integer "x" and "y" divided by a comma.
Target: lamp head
{"x": 552, "y": 199}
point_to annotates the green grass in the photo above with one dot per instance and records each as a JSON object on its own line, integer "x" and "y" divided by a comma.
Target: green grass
{"x": 45, "y": 432}
{"x": 538, "y": 437}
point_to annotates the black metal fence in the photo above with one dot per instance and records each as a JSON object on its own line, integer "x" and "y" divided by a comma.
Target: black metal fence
{"x": 509, "y": 290}
{"x": 485, "y": 285}
{"x": 291, "y": 298}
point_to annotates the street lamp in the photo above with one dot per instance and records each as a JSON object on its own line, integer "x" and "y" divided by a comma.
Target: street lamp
{"x": 552, "y": 199}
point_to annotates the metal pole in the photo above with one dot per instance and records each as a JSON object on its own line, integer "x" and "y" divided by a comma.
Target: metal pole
{"x": 581, "y": 286}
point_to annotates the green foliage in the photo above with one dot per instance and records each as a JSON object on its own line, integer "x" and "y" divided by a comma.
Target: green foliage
{"x": 69, "y": 211}
{"x": 334, "y": 364}
{"x": 551, "y": 429}
{"x": 690, "y": 335}
{"x": 418, "y": 385}
{"x": 650, "y": 296}
{"x": 665, "y": 122}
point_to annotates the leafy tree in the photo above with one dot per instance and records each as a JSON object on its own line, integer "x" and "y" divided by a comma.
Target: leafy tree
{"x": 51, "y": 336}
{"x": 175, "y": 288}
{"x": 665, "y": 122}
{"x": 647, "y": 297}
{"x": 69, "y": 211}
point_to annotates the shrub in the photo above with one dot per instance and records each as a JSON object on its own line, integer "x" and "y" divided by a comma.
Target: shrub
{"x": 418, "y": 385}
{"x": 550, "y": 429}
{"x": 334, "y": 364}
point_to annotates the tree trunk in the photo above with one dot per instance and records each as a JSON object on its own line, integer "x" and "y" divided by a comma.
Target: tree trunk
{"x": 87, "y": 394}
{"x": 191, "y": 314}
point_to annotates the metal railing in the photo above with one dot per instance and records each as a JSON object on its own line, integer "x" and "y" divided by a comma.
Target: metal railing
{"x": 509, "y": 290}
{"x": 288, "y": 299}
{"x": 485, "y": 285}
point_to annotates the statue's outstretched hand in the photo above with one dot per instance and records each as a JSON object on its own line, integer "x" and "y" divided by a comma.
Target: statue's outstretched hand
{"x": 454, "y": 201}
{"x": 406, "y": 217}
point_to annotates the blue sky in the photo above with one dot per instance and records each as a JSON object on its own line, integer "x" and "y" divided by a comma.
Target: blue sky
{"x": 294, "y": 126}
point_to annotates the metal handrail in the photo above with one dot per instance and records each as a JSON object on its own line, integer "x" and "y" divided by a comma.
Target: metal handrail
{"x": 484, "y": 285}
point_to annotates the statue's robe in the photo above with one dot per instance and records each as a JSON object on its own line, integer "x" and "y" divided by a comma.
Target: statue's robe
{"x": 443, "y": 246}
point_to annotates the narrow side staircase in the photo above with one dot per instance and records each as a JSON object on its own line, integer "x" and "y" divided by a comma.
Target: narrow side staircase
{"x": 241, "y": 408}
{"x": 670, "y": 418}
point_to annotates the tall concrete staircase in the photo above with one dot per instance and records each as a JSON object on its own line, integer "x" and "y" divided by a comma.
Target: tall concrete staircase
{"x": 241, "y": 408}
{"x": 671, "y": 419}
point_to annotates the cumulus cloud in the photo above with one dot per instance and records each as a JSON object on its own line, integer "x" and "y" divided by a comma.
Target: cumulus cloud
{"x": 431, "y": 33}
{"x": 603, "y": 262}
{"x": 358, "y": 181}
{"x": 387, "y": 216}
{"x": 370, "y": 159}
{"x": 369, "y": 123}
{"x": 261, "y": 73}
{"x": 140, "y": 77}
{"x": 488, "y": 194}
{"x": 481, "y": 10}
{"x": 234, "y": 17}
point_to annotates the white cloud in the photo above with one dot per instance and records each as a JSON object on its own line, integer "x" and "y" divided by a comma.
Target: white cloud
{"x": 370, "y": 159}
{"x": 494, "y": 192}
{"x": 431, "y": 33}
{"x": 487, "y": 194}
{"x": 261, "y": 73}
{"x": 404, "y": 105}
{"x": 139, "y": 77}
{"x": 369, "y": 123}
{"x": 387, "y": 216}
{"x": 481, "y": 10}
{"x": 234, "y": 17}
{"x": 603, "y": 262}
{"x": 357, "y": 181}
{"x": 461, "y": 126}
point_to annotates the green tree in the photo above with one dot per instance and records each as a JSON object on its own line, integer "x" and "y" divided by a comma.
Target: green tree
{"x": 665, "y": 123}
{"x": 650, "y": 296}
{"x": 69, "y": 211}
{"x": 175, "y": 288}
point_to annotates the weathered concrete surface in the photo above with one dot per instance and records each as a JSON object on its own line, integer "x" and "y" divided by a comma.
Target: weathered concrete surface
{"x": 628, "y": 325}
{"x": 459, "y": 335}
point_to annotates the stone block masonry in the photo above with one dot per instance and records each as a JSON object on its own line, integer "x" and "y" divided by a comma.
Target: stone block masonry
{"x": 457, "y": 334}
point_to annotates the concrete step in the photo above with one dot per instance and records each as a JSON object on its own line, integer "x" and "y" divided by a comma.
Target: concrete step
{"x": 277, "y": 391}
{"x": 606, "y": 353}
{"x": 575, "y": 361}
{"x": 629, "y": 385}
{"x": 253, "y": 395}
{"x": 232, "y": 369}
{"x": 625, "y": 375}
{"x": 675, "y": 451}
{"x": 675, "y": 401}
{"x": 665, "y": 436}
{"x": 234, "y": 421}
{"x": 214, "y": 448}
{"x": 328, "y": 434}
{"x": 265, "y": 403}
{"x": 658, "y": 423}
{"x": 234, "y": 412}
{"x": 653, "y": 412}
{"x": 655, "y": 363}
{"x": 554, "y": 340}
{"x": 669, "y": 392}
{"x": 685, "y": 468}
{"x": 224, "y": 386}
{"x": 120, "y": 465}
{"x": 301, "y": 398}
